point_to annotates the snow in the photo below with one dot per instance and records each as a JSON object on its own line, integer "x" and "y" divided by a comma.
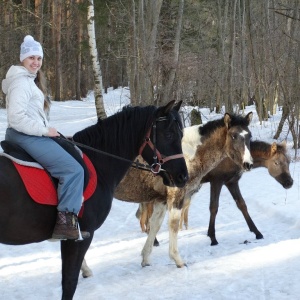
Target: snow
{"x": 240, "y": 267}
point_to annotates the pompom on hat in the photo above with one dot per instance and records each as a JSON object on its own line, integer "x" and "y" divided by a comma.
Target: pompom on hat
{"x": 30, "y": 47}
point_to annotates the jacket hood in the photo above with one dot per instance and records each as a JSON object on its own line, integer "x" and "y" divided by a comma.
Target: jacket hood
{"x": 13, "y": 73}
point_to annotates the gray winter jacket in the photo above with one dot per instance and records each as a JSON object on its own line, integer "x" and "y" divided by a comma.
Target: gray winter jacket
{"x": 24, "y": 102}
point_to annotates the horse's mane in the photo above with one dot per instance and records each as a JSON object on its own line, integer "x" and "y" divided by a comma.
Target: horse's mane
{"x": 265, "y": 147}
{"x": 118, "y": 132}
{"x": 211, "y": 126}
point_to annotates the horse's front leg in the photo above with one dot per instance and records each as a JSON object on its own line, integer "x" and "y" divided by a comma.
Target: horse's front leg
{"x": 159, "y": 212}
{"x": 174, "y": 219}
{"x": 72, "y": 255}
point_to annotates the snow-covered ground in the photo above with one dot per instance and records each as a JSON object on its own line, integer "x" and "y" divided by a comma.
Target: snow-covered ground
{"x": 267, "y": 269}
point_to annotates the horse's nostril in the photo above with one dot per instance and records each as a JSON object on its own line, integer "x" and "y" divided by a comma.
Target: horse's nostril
{"x": 288, "y": 184}
{"x": 182, "y": 179}
{"x": 248, "y": 166}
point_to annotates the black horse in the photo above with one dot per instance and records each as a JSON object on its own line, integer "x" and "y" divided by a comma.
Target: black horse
{"x": 152, "y": 131}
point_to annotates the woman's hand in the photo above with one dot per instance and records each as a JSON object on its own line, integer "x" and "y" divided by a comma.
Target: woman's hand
{"x": 52, "y": 132}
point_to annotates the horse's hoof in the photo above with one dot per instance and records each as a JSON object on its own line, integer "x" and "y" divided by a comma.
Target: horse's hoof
{"x": 145, "y": 264}
{"x": 87, "y": 275}
{"x": 181, "y": 265}
{"x": 156, "y": 243}
{"x": 214, "y": 243}
{"x": 259, "y": 236}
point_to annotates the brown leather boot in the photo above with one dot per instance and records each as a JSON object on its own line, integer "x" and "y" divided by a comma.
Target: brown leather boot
{"x": 66, "y": 227}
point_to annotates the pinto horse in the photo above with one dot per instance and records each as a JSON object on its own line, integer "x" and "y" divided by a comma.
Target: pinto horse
{"x": 151, "y": 131}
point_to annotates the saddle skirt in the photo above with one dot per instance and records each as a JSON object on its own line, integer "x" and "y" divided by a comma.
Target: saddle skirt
{"x": 38, "y": 182}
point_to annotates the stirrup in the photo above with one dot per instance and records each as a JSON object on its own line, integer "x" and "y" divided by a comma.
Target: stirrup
{"x": 80, "y": 238}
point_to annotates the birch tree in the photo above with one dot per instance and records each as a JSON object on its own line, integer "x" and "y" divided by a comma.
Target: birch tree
{"x": 98, "y": 89}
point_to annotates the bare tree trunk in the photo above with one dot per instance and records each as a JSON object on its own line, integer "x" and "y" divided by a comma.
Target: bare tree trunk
{"x": 220, "y": 51}
{"x": 147, "y": 35}
{"x": 172, "y": 72}
{"x": 39, "y": 17}
{"x": 229, "y": 95}
{"x": 133, "y": 59}
{"x": 57, "y": 10}
{"x": 79, "y": 53}
{"x": 100, "y": 110}
{"x": 290, "y": 88}
{"x": 254, "y": 71}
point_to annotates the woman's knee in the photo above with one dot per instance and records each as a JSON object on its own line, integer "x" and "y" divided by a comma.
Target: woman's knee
{"x": 78, "y": 169}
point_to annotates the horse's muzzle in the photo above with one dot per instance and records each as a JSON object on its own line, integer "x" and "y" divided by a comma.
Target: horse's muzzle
{"x": 180, "y": 180}
{"x": 247, "y": 166}
{"x": 288, "y": 184}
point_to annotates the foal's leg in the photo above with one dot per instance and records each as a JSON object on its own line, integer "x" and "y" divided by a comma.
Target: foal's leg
{"x": 234, "y": 190}
{"x": 159, "y": 212}
{"x": 174, "y": 219}
{"x": 215, "y": 190}
{"x": 184, "y": 218}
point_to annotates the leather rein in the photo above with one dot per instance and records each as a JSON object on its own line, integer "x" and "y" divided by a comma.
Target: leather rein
{"x": 158, "y": 158}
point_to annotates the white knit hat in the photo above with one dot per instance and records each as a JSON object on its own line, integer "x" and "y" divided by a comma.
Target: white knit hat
{"x": 30, "y": 47}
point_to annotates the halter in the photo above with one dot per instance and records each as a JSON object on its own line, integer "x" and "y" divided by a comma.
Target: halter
{"x": 159, "y": 159}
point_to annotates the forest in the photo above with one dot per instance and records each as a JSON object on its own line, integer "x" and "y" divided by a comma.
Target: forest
{"x": 220, "y": 54}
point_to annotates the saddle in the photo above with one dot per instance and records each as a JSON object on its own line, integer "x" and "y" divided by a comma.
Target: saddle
{"x": 38, "y": 182}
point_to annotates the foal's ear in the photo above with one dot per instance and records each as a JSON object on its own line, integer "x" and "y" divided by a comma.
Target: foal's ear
{"x": 227, "y": 120}
{"x": 273, "y": 148}
{"x": 283, "y": 143}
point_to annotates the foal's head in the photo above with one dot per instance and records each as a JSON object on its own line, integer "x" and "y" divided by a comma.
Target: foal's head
{"x": 238, "y": 139}
{"x": 275, "y": 158}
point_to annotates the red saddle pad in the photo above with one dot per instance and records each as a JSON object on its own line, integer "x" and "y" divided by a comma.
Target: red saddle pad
{"x": 41, "y": 188}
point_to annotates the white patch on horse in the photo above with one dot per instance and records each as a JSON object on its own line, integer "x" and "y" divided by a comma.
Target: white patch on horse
{"x": 191, "y": 139}
{"x": 247, "y": 155}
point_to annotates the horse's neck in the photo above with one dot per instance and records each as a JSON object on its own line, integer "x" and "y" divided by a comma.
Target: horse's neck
{"x": 208, "y": 155}
{"x": 137, "y": 186}
{"x": 260, "y": 156}
{"x": 190, "y": 141}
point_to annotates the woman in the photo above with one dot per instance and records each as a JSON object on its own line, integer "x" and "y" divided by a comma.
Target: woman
{"x": 28, "y": 126}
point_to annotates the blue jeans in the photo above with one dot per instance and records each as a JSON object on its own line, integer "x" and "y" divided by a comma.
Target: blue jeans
{"x": 59, "y": 163}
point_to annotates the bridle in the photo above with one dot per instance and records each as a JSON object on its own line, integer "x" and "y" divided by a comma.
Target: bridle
{"x": 159, "y": 159}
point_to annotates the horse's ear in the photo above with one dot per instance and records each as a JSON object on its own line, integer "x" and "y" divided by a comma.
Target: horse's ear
{"x": 249, "y": 117}
{"x": 283, "y": 144}
{"x": 177, "y": 105}
{"x": 273, "y": 148}
{"x": 168, "y": 107}
{"x": 227, "y": 120}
